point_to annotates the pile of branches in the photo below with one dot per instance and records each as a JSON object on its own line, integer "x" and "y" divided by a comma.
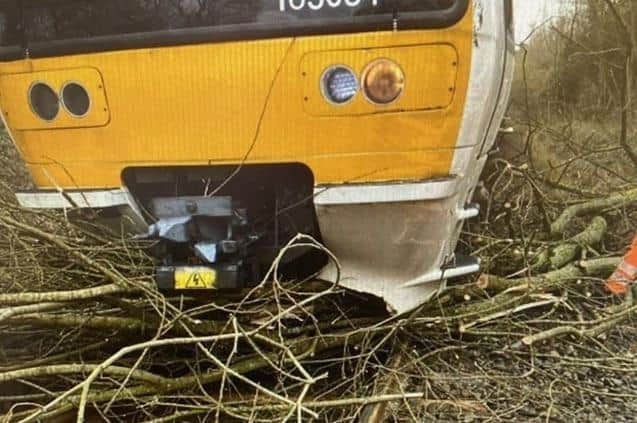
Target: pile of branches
{"x": 84, "y": 329}
{"x": 87, "y": 337}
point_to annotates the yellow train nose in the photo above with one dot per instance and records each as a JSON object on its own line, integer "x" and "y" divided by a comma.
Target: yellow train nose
{"x": 360, "y": 122}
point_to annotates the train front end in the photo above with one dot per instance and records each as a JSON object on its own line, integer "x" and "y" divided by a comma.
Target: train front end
{"x": 223, "y": 129}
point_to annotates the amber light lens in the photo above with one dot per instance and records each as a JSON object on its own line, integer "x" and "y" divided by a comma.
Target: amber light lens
{"x": 383, "y": 81}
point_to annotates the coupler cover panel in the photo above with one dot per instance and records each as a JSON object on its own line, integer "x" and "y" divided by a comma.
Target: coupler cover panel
{"x": 182, "y": 278}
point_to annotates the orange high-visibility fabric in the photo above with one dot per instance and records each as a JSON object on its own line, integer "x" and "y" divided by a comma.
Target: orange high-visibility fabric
{"x": 631, "y": 256}
{"x": 626, "y": 272}
{"x": 618, "y": 283}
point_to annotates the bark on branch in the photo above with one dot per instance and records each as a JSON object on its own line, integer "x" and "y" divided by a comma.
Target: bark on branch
{"x": 558, "y": 256}
{"x": 66, "y": 296}
{"x": 615, "y": 201}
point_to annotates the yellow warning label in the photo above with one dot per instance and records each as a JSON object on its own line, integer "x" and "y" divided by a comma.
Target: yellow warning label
{"x": 195, "y": 278}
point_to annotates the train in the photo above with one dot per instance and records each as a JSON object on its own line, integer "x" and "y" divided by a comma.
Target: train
{"x": 222, "y": 129}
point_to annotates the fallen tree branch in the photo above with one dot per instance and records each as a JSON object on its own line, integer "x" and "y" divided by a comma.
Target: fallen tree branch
{"x": 82, "y": 258}
{"x": 508, "y": 313}
{"x": 345, "y": 402}
{"x": 601, "y": 326}
{"x": 376, "y": 413}
{"x": 67, "y": 296}
{"x": 556, "y": 257}
{"x": 246, "y": 365}
{"x": 615, "y": 201}
{"x": 28, "y": 309}
{"x": 69, "y": 369}
{"x": 547, "y": 281}
{"x": 58, "y": 357}
{"x": 510, "y": 292}
{"x": 99, "y": 323}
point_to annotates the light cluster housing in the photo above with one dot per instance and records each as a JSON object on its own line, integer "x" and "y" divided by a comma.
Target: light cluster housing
{"x": 382, "y": 82}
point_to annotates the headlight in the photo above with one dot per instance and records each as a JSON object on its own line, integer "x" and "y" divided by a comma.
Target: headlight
{"x": 44, "y": 102}
{"x": 339, "y": 84}
{"x": 383, "y": 81}
{"x": 75, "y": 99}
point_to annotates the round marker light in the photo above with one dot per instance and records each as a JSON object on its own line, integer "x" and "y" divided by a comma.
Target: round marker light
{"x": 339, "y": 84}
{"x": 44, "y": 102}
{"x": 383, "y": 81}
{"x": 75, "y": 99}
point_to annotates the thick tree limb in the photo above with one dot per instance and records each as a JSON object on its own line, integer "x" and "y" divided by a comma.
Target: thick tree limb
{"x": 566, "y": 252}
{"x": 62, "y": 357}
{"x": 28, "y": 309}
{"x": 558, "y": 256}
{"x": 388, "y": 382}
{"x": 70, "y": 369}
{"x": 66, "y": 296}
{"x": 99, "y": 323}
{"x": 615, "y": 201}
{"x": 510, "y": 292}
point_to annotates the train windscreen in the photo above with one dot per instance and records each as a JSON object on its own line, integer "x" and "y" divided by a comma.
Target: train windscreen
{"x": 47, "y": 27}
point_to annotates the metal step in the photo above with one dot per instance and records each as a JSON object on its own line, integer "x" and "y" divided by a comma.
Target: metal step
{"x": 463, "y": 265}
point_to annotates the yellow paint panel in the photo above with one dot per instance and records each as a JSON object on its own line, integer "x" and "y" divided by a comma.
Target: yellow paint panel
{"x": 195, "y": 278}
{"x": 430, "y": 75}
{"x": 211, "y": 104}
{"x": 14, "y": 99}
